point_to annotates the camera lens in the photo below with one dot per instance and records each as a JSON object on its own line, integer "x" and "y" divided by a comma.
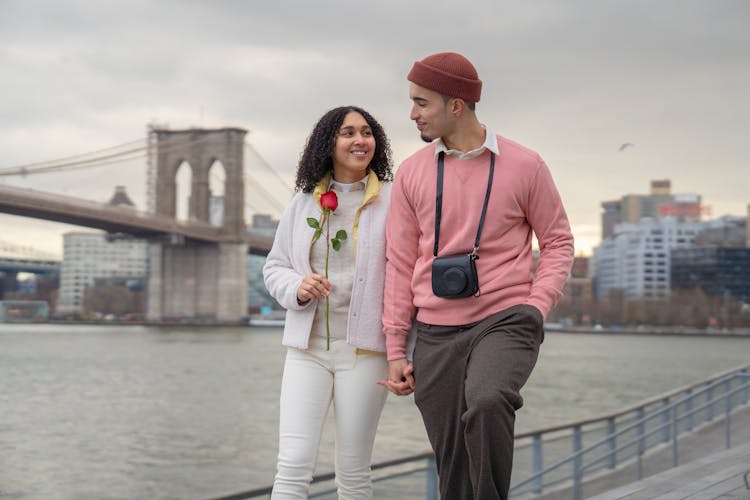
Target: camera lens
{"x": 454, "y": 280}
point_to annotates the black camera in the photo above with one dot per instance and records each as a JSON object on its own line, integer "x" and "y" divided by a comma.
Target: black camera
{"x": 455, "y": 276}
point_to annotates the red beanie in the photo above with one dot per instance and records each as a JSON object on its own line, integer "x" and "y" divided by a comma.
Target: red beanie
{"x": 449, "y": 74}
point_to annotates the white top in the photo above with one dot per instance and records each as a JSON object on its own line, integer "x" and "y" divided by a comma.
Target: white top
{"x": 341, "y": 263}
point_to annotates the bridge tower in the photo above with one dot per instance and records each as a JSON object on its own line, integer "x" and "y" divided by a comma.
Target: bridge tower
{"x": 188, "y": 279}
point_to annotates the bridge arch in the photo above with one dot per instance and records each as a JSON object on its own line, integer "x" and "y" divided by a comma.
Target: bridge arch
{"x": 202, "y": 149}
{"x": 183, "y": 180}
{"x": 217, "y": 179}
{"x": 191, "y": 279}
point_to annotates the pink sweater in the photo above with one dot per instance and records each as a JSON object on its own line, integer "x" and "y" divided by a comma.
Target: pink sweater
{"x": 524, "y": 198}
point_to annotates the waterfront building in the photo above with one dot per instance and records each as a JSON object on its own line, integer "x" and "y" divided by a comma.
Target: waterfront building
{"x": 576, "y": 301}
{"x": 719, "y": 263}
{"x": 715, "y": 270}
{"x": 88, "y": 256}
{"x": 636, "y": 259}
{"x": 23, "y": 311}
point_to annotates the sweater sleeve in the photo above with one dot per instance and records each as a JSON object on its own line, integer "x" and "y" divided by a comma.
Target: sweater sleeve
{"x": 548, "y": 219}
{"x": 402, "y": 240}
{"x": 281, "y": 278}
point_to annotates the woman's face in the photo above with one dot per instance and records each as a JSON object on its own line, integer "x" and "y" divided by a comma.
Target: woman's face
{"x": 353, "y": 149}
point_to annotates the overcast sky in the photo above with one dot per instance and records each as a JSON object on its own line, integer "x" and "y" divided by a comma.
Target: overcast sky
{"x": 573, "y": 80}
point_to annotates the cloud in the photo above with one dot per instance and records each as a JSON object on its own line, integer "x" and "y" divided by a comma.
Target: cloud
{"x": 572, "y": 80}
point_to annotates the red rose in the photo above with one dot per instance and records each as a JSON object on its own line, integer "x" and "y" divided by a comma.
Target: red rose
{"x": 329, "y": 201}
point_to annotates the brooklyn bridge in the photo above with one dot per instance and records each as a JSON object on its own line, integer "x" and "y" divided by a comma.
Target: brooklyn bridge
{"x": 197, "y": 266}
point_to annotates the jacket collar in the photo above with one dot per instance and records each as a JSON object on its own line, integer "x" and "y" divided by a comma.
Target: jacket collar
{"x": 372, "y": 190}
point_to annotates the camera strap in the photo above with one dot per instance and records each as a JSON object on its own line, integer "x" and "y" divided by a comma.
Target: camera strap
{"x": 439, "y": 203}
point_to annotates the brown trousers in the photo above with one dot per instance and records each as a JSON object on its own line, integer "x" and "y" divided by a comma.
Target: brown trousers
{"x": 467, "y": 383}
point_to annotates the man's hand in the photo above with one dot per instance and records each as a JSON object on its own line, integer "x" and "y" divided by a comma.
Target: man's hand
{"x": 400, "y": 377}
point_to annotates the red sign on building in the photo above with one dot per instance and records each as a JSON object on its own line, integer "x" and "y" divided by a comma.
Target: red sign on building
{"x": 684, "y": 210}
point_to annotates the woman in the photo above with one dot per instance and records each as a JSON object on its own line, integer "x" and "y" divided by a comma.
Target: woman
{"x": 333, "y": 293}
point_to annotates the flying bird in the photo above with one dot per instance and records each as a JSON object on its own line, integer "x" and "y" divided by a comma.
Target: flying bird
{"x": 625, "y": 146}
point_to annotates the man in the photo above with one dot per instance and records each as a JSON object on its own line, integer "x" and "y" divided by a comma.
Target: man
{"x": 473, "y": 353}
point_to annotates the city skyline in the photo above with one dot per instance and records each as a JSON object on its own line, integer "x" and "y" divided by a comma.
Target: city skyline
{"x": 612, "y": 95}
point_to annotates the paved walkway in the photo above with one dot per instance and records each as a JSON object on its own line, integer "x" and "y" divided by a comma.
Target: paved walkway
{"x": 703, "y": 447}
{"x": 720, "y": 475}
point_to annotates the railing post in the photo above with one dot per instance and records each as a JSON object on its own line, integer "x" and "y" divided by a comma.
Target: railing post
{"x": 727, "y": 418}
{"x": 536, "y": 463}
{"x": 641, "y": 432}
{"x": 577, "y": 446}
{"x": 710, "y": 402}
{"x": 612, "y": 442}
{"x": 745, "y": 393}
{"x": 675, "y": 459}
{"x": 665, "y": 420}
{"x": 432, "y": 480}
{"x": 689, "y": 410}
{"x": 728, "y": 389}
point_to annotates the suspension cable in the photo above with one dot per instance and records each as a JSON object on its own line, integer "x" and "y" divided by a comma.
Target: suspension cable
{"x": 269, "y": 167}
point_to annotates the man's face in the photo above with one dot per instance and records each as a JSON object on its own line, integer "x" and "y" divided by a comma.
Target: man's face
{"x": 430, "y": 112}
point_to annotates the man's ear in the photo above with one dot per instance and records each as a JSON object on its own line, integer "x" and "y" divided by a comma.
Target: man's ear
{"x": 456, "y": 106}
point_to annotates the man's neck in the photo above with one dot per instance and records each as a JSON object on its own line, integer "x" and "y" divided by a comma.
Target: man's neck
{"x": 466, "y": 137}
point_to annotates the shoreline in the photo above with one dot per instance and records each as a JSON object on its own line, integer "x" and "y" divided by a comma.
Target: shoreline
{"x": 657, "y": 331}
{"x": 254, "y": 322}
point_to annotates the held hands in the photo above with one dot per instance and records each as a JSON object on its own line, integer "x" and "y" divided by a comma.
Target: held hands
{"x": 313, "y": 286}
{"x": 400, "y": 377}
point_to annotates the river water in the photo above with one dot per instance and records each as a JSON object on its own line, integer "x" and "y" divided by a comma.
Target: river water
{"x": 131, "y": 412}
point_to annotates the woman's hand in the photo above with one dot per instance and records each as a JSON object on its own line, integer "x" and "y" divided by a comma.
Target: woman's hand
{"x": 313, "y": 286}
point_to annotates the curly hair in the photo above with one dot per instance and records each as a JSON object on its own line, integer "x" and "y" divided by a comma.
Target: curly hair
{"x": 316, "y": 160}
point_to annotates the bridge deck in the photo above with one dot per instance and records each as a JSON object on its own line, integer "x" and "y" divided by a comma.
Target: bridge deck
{"x": 114, "y": 219}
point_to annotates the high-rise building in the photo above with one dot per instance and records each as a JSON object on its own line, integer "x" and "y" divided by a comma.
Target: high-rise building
{"x": 660, "y": 202}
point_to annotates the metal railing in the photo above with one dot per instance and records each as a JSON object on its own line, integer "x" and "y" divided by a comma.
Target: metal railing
{"x": 625, "y": 436}
{"x": 565, "y": 454}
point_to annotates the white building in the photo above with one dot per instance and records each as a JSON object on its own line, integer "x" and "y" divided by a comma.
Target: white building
{"x": 636, "y": 259}
{"x": 87, "y": 256}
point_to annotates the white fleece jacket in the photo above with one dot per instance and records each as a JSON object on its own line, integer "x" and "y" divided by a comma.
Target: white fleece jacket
{"x": 289, "y": 261}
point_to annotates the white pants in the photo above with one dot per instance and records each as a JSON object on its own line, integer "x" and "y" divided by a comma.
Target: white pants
{"x": 312, "y": 379}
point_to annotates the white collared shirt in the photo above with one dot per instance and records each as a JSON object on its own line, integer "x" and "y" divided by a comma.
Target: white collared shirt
{"x": 490, "y": 142}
